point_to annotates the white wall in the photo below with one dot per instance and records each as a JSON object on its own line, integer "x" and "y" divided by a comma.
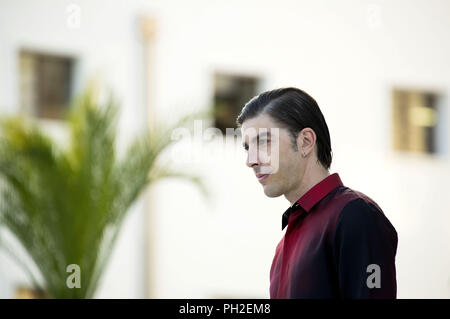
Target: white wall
{"x": 106, "y": 44}
{"x": 331, "y": 49}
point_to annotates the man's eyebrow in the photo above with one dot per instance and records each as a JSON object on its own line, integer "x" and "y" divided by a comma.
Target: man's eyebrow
{"x": 259, "y": 136}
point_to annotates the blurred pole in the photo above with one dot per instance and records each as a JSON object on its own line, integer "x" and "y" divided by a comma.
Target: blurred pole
{"x": 148, "y": 31}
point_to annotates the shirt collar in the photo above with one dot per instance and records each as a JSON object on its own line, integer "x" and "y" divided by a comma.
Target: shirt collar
{"x": 319, "y": 191}
{"x": 313, "y": 195}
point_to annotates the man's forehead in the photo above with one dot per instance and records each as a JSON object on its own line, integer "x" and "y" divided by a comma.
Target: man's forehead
{"x": 260, "y": 121}
{"x": 255, "y": 133}
{"x": 259, "y": 127}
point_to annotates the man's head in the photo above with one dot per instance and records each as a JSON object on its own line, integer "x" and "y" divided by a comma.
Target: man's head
{"x": 303, "y": 141}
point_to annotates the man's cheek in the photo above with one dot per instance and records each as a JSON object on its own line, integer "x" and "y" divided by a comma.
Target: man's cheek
{"x": 274, "y": 156}
{"x": 264, "y": 157}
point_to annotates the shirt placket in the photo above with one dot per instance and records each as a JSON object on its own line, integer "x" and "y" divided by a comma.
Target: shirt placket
{"x": 294, "y": 216}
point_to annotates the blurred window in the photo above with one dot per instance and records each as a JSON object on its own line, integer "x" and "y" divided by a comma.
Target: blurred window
{"x": 231, "y": 92}
{"x": 45, "y": 83}
{"x": 415, "y": 120}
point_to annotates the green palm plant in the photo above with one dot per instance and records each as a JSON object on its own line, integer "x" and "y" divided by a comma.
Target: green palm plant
{"x": 65, "y": 205}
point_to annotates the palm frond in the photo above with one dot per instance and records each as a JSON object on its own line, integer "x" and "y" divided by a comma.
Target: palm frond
{"x": 66, "y": 205}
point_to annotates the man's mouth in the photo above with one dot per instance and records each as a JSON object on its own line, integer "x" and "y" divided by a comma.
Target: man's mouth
{"x": 262, "y": 177}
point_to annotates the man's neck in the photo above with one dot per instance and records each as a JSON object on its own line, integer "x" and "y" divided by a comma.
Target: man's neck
{"x": 310, "y": 179}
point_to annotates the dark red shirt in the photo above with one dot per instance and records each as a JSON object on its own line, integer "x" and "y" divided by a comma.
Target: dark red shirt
{"x": 334, "y": 237}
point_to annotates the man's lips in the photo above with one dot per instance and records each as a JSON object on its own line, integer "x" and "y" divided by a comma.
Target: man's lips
{"x": 262, "y": 177}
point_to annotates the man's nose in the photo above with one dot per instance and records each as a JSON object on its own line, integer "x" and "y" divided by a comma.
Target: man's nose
{"x": 252, "y": 158}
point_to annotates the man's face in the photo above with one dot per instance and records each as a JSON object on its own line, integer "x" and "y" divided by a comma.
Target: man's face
{"x": 271, "y": 155}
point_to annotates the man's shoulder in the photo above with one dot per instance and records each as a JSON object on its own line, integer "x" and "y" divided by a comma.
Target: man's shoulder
{"x": 346, "y": 203}
{"x": 358, "y": 209}
{"x": 345, "y": 195}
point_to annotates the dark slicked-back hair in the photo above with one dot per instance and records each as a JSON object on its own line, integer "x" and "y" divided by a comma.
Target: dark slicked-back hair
{"x": 294, "y": 110}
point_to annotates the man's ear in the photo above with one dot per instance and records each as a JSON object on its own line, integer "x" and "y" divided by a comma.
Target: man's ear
{"x": 306, "y": 140}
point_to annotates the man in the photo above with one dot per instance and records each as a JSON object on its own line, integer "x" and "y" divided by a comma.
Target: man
{"x": 338, "y": 242}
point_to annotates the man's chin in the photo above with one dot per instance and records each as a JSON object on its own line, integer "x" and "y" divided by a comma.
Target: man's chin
{"x": 270, "y": 192}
